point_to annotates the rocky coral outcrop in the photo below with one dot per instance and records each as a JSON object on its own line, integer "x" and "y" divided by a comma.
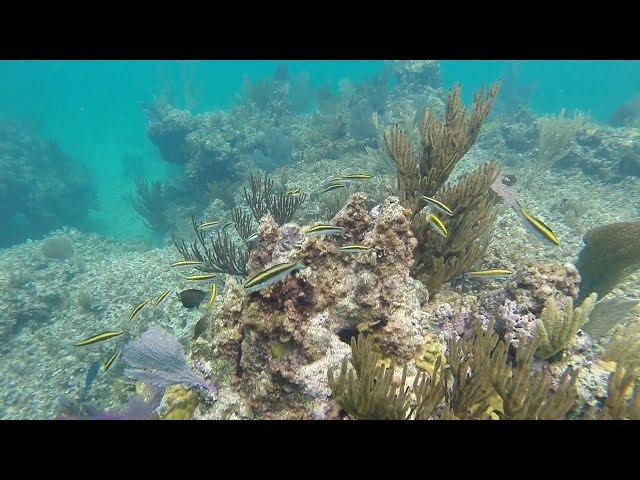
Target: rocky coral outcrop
{"x": 283, "y": 339}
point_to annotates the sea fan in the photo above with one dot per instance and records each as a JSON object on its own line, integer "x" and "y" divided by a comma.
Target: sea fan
{"x": 158, "y": 358}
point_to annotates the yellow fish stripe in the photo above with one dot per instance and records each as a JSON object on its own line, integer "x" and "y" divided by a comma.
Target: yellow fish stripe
{"x": 185, "y": 263}
{"x": 334, "y": 186}
{"x": 324, "y": 230}
{"x": 137, "y": 308}
{"x": 438, "y": 205}
{"x": 537, "y": 226}
{"x": 293, "y": 191}
{"x": 97, "y": 338}
{"x": 437, "y": 224}
{"x": 356, "y": 176}
{"x": 110, "y": 360}
{"x": 160, "y": 298}
{"x": 271, "y": 275}
{"x": 214, "y": 292}
{"x": 206, "y": 276}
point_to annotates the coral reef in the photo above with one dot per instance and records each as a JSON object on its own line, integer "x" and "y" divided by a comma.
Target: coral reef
{"x": 282, "y": 339}
{"x": 609, "y": 154}
{"x": 477, "y": 375}
{"x": 42, "y": 188}
{"x": 627, "y": 114}
{"x": 417, "y": 74}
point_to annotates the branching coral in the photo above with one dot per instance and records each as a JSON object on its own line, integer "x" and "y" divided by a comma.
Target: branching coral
{"x": 441, "y": 259}
{"x": 262, "y": 199}
{"x": 611, "y": 253}
{"x": 559, "y": 323}
{"x": 150, "y": 204}
{"x": 525, "y": 393}
{"x": 470, "y": 391}
{"x": 624, "y": 345}
{"x": 478, "y": 374}
{"x": 220, "y": 256}
{"x": 243, "y": 223}
{"x": 618, "y": 406}
{"x": 443, "y": 143}
{"x": 556, "y": 137}
{"x": 370, "y": 392}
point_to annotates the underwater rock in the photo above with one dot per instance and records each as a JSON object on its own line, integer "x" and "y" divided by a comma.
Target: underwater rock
{"x": 283, "y": 338}
{"x": 178, "y": 403}
{"x": 611, "y": 154}
{"x": 59, "y": 248}
{"x": 533, "y": 284}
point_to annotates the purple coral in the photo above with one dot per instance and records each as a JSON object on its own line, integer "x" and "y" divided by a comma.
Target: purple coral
{"x": 158, "y": 358}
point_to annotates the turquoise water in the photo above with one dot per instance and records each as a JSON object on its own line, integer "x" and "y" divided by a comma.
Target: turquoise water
{"x": 92, "y": 108}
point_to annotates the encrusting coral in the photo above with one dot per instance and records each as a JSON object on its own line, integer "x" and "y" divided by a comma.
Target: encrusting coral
{"x": 179, "y": 403}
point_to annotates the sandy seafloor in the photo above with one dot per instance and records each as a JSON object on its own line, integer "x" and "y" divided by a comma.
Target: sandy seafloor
{"x": 39, "y": 362}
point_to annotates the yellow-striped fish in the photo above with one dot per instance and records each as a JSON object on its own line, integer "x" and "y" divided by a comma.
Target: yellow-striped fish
{"x": 210, "y": 224}
{"x": 110, "y": 361}
{"x": 325, "y": 230}
{"x": 161, "y": 298}
{"x": 186, "y": 263}
{"x": 354, "y": 248}
{"x": 437, "y": 224}
{"x": 491, "y": 273}
{"x": 438, "y": 205}
{"x": 227, "y": 224}
{"x": 214, "y": 292}
{"x": 97, "y": 338}
{"x": 293, "y": 191}
{"x": 537, "y": 228}
{"x": 271, "y": 275}
{"x": 334, "y": 186}
{"x": 202, "y": 276}
{"x": 137, "y": 308}
{"x": 351, "y": 177}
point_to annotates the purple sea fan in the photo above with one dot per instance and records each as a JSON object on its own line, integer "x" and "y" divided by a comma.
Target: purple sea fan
{"x": 158, "y": 358}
